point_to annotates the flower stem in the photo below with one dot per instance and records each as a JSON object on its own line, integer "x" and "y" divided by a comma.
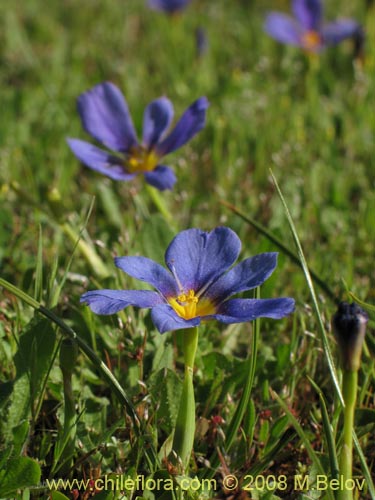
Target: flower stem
{"x": 183, "y": 439}
{"x": 349, "y": 391}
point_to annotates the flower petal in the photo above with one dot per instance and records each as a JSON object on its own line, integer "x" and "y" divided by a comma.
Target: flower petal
{"x": 197, "y": 258}
{"x": 105, "y": 116}
{"x": 246, "y": 275}
{"x": 283, "y": 28}
{"x": 99, "y": 160}
{"x": 190, "y": 123}
{"x": 242, "y": 310}
{"x": 161, "y": 177}
{"x": 156, "y": 119}
{"x": 151, "y": 272}
{"x": 112, "y": 301}
{"x": 337, "y": 31}
{"x": 165, "y": 319}
{"x": 308, "y": 13}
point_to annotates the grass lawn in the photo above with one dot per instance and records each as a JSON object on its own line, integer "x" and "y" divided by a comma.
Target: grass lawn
{"x": 286, "y": 157}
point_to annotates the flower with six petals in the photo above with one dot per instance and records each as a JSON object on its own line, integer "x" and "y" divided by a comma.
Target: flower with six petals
{"x": 105, "y": 116}
{"x": 197, "y": 285}
{"x": 307, "y": 29}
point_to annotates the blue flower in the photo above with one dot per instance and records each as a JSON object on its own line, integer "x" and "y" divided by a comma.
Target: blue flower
{"x": 105, "y": 116}
{"x": 197, "y": 285}
{"x": 307, "y": 29}
{"x": 169, "y": 6}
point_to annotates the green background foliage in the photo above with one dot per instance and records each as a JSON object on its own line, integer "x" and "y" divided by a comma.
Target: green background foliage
{"x": 309, "y": 118}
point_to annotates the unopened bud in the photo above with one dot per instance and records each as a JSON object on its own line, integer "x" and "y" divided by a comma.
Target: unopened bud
{"x": 349, "y": 324}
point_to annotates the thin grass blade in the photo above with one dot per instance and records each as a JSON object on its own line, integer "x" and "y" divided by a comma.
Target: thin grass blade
{"x": 97, "y": 362}
{"x": 281, "y": 246}
{"x": 331, "y": 448}
{"x": 310, "y": 450}
{"x": 326, "y": 347}
{"x": 323, "y": 334}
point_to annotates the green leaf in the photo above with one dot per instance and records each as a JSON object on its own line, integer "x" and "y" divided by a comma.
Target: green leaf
{"x": 166, "y": 388}
{"x": 19, "y": 407}
{"x": 21, "y": 472}
{"x": 307, "y": 273}
{"x": 369, "y": 307}
{"x": 20, "y": 433}
{"x": 106, "y": 495}
{"x": 38, "y": 291}
{"x": 328, "y": 432}
{"x": 97, "y": 362}
{"x": 33, "y": 361}
{"x": 303, "y": 436}
{"x": 56, "y": 495}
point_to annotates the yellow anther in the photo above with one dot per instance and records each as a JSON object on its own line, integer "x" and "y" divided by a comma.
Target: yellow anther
{"x": 311, "y": 40}
{"x": 141, "y": 160}
{"x": 188, "y": 305}
{"x": 184, "y": 298}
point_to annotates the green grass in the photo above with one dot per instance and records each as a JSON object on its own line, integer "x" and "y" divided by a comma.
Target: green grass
{"x": 309, "y": 119}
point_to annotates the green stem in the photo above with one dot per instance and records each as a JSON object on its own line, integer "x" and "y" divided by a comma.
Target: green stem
{"x": 349, "y": 391}
{"x": 183, "y": 439}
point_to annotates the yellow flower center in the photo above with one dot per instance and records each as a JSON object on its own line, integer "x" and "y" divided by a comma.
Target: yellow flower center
{"x": 311, "y": 40}
{"x": 188, "y": 305}
{"x": 141, "y": 160}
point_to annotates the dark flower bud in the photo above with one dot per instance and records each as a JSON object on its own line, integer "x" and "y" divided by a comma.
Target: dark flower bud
{"x": 349, "y": 324}
{"x": 201, "y": 41}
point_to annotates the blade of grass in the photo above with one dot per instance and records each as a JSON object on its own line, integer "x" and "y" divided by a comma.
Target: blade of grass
{"x": 87, "y": 250}
{"x": 326, "y": 347}
{"x": 38, "y": 290}
{"x": 301, "y": 256}
{"x": 277, "y": 242}
{"x": 260, "y": 465}
{"x": 369, "y": 307}
{"x": 250, "y": 374}
{"x": 245, "y": 398}
{"x": 365, "y": 469}
{"x": 305, "y": 440}
{"x": 331, "y": 448}
{"x": 98, "y": 363}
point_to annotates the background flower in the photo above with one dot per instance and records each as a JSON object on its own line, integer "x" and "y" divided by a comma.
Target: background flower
{"x": 197, "y": 285}
{"x": 307, "y": 29}
{"x": 105, "y": 116}
{"x": 170, "y": 6}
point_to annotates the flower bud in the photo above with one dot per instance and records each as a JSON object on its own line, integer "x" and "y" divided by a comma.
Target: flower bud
{"x": 349, "y": 325}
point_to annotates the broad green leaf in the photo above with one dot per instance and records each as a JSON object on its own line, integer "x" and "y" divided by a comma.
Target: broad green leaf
{"x": 165, "y": 388}
{"x": 21, "y": 472}
{"x": 56, "y": 495}
{"x": 33, "y": 361}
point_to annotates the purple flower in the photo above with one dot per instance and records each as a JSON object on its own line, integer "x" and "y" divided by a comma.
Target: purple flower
{"x": 169, "y": 6}
{"x": 307, "y": 29}
{"x": 197, "y": 285}
{"x": 105, "y": 116}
